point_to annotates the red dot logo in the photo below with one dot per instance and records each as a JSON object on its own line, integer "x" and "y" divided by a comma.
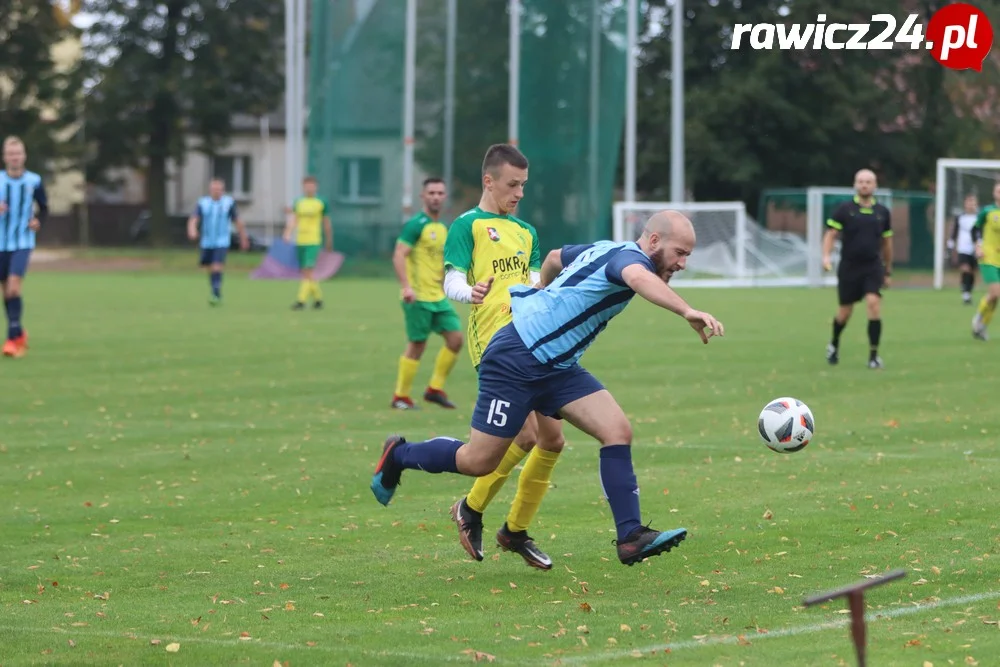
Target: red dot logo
{"x": 960, "y": 36}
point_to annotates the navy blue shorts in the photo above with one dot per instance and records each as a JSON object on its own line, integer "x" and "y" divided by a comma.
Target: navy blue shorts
{"x": 14, "y": 263}
{"x": 211, "y": 256}
{"x": 512, "y": 384}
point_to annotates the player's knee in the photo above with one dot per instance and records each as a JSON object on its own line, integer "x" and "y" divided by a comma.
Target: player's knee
{"x": 12, "y": 290}
{"x": 415, "y": 350}
{"x": 477, "y": 464}
{"x": 528, "y": 436}
{"x": 616, "y": 433}
{"x": 453, "y": 341}
{"x": 554, "y": 442}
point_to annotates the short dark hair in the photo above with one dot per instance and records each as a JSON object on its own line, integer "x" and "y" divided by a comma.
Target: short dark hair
{"x": 309, "y": 179}
{"x": 430, "y": 180}
{"x": 498, "y": 155}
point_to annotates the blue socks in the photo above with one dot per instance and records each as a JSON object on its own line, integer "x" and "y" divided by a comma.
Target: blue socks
{"x": 216, "y": 280}
{"x": 620, "y": 488}
{"x": 434, "y": 455}
{"x": 14, "y": 307}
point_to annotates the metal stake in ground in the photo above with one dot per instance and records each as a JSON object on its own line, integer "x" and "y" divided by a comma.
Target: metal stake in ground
{"x": 855, "y": 594}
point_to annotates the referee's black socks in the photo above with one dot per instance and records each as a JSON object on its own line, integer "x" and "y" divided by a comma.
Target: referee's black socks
{"x": 968, "y": 280}
{"x": 874, "y": 335}
{"x": 838, "y": 328}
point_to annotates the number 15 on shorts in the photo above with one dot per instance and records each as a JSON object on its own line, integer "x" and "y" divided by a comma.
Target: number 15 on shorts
{"x": 497, "y": 415}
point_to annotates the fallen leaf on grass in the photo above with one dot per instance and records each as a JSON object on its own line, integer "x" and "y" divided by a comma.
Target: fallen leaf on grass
{"x": 585, "y": 606}
{"x": 768, "y": 515}
{"x": 154, "y": 642}
{"x": 625, "y": 628}
{"x": 244, "y": 636}
{"x": 479, "y": 656}
{"x": 173, "y": 648}
{"x": 72, "y": 644}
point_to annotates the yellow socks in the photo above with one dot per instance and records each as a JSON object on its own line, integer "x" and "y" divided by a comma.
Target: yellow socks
{"x": 986, "y": 310}
{"x": 531, "y": 488}
{"x": 442, "y": 367}
{"x": 304, "y": 290}
{"x": 317, "y": 293}
{"x": 407, "y": 371}
{"x": 487, "y": 486}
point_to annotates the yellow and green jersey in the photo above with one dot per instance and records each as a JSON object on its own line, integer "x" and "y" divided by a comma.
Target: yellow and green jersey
{"x": 425, "y": 263}
{"x": 988, "y": 223}
{"x": 486, "y": 245}
{"x": 309, "y": 212}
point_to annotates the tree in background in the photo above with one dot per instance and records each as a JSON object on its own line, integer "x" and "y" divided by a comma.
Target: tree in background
{"x": 165, "y": 70}
{"x": 39, "y": 97}
{"x": 759, "y": 119}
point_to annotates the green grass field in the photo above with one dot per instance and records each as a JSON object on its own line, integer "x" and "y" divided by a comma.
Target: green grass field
{"x": 189, "y": 486}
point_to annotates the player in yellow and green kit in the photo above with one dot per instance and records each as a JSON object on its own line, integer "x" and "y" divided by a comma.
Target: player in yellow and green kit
{"x": 305, "y": 218}
{"x": 419, "y": 263}
{"x": 988, "y": 253}
{"x": 488, "y": 245}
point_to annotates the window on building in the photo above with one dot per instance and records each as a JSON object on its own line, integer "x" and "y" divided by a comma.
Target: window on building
{"x": 359, "y": 180}
{"x": 236, "y": 171}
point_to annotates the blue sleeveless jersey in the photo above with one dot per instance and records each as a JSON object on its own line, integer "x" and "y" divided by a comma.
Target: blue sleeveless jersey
{"x": 559, "y": 323}
{"x": 215, "y": 217}
{"x": 20, "y": 195}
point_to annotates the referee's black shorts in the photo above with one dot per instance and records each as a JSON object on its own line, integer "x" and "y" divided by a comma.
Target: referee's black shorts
{"x": 854, "y": 281}
{"x": 968, "y": 260}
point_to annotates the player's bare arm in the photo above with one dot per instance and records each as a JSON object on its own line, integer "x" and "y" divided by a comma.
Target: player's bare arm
{"x": 193, "y": 228}
{"x": 328, "y": 233}
{"x": 651, "y": 288}
{"x": 399, "y": 256}
{"x": 551, "y": 268}
{"x": 887, "y": 259}
{"x": 290, "y": 223}
{"x": 241, "y": 229}
{"x": 829, "y": 237}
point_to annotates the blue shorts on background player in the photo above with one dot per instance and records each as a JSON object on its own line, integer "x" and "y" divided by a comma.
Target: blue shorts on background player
{"x": 215, "y": 214}
{"x": 533, "y": 364}
{"x": 23, "y": 209}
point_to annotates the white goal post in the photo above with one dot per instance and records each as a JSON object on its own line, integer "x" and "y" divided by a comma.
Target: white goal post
{"x": 732, "y": 249}
{"x": 955, "y": 178}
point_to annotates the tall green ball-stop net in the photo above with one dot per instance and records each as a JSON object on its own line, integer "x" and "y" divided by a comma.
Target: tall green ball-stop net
{"x": 572, "y": 109}
{"x": 355, "y": 122}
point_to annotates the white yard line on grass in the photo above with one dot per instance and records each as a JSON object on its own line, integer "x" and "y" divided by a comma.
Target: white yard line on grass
{"x": 565, "y": 660}
{"x": 752, "y": 637}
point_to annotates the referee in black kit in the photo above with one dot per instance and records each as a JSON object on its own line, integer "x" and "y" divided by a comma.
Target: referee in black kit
{"x": 865, "y": 229}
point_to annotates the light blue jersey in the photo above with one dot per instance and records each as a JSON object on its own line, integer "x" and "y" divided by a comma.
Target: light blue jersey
{"x": 216, "y": 216}
{"x": 19, "y": 196}
{"x": 558, "y": 323}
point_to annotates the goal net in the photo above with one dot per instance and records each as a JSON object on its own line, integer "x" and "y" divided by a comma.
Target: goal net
{"x": 957, "y": 178}
{"x": 732, "y": 249}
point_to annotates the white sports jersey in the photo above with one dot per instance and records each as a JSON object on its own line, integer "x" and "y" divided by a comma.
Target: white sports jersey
{"x": 962, "y": 234}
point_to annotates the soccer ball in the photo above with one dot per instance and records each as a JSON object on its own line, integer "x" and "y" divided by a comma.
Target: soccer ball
{"x": 786, "y": 424}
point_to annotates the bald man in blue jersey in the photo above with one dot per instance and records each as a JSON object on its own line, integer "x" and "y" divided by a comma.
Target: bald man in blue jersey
{"x": 532, "y": 364}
